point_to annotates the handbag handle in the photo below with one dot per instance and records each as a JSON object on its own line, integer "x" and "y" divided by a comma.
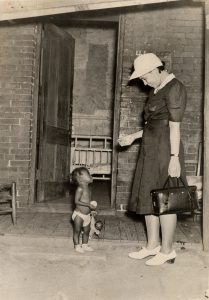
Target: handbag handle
{"x": 178, "y": 179}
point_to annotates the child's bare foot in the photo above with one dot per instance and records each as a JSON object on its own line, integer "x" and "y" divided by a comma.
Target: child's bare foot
{"x": 86, "y": 247}
{"x": 79, "y": 249}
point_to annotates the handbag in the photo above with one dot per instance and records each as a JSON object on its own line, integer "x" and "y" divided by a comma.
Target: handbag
{"x": 177, "y": 199}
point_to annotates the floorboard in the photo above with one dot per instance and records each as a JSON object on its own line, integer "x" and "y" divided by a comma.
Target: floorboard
{"x": 115, "y": 228}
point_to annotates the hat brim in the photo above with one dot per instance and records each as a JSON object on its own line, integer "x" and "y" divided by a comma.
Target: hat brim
{"x": 139, "y": 73}
{"x": 134, "y": 75}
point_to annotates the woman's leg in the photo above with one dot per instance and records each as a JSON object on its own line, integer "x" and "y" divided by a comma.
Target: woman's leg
{"x": 168, "y": 226}
{"x": 153, "y": 245}
{"x": 77, "y": 226}
{"x": 153, "y": 228}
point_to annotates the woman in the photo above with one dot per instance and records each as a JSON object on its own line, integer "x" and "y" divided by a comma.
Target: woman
{"x": 161, "y": 154}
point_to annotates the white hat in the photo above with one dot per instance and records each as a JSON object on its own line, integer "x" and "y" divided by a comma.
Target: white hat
{"x": 144, "y": 64}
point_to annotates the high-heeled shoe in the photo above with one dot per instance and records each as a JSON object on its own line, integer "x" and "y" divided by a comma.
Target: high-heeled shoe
{"x": 144, "y": 252}
{"x": 161, "y": 258}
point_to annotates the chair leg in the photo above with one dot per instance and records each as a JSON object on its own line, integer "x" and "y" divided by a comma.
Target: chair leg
{"x": 14, "y": 217}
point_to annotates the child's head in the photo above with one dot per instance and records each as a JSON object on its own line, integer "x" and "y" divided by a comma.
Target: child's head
{"x": 81, "y": 175}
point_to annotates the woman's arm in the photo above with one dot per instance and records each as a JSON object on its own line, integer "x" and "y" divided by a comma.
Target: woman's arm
{"x": 129, "y": 139}
{"x": 174, "y": 168}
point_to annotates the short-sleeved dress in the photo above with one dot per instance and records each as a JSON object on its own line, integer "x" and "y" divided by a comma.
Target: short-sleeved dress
{"x": 168, "y": 104}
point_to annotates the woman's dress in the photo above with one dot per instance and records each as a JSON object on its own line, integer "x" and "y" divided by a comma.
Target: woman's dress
{"x": 168, "y": 104}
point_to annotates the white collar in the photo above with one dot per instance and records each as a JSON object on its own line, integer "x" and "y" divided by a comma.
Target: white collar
{"x": 167, "y": 80}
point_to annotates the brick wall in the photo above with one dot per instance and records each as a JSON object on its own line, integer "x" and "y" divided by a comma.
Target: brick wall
{"x": 174, "y": 31}
{"x": 17, "y": 57}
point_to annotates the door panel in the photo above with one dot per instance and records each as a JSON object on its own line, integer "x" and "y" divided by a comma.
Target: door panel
{"x": 55, "y": 113}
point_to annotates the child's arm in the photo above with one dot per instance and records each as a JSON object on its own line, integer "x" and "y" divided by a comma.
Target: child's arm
{"x": 78, "y": 196}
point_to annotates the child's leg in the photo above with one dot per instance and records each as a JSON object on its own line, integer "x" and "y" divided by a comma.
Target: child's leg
{"x": 77, "y": 226}
{"x": 85, "y": 238}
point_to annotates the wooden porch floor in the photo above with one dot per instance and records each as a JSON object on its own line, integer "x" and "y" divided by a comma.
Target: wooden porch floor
{"x": 115, "y": 227}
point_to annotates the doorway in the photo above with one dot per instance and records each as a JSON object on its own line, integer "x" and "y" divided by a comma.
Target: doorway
{"x": 93, "y": 102}
{"x": 105, "y": 106}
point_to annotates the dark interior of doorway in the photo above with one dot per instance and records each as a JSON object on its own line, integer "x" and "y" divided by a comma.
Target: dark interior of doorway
{"x": 100, "y": 192}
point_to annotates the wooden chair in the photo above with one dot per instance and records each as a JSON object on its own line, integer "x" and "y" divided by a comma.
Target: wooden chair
{"x": 8, "y": 200}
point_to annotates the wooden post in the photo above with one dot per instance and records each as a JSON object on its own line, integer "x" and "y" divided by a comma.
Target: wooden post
{"x": 116, "y": 121}
{"x": 35, "y": 133}
{"x": 206, "y": 137}
{"x": 18, "y": 9}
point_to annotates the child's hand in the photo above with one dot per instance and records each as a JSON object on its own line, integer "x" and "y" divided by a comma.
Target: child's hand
{"x": 93, "y": 205}
{"x": 93, "y": 213}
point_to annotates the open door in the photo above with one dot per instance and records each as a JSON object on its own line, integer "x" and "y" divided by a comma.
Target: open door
{"x": 55, "y": 109}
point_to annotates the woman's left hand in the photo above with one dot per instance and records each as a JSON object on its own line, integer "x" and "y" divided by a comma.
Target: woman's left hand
{"x": 174, "y": 168}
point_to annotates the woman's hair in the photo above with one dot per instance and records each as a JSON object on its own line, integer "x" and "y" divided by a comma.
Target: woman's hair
{"x": 161, "y": 68}
{"x": 77, "y": 172}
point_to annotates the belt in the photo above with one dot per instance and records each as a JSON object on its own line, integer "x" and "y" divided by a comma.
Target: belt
{"x": 157, "y": 123}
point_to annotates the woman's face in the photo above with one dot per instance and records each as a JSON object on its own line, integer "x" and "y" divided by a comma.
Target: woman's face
{"x": 152, "y": 78}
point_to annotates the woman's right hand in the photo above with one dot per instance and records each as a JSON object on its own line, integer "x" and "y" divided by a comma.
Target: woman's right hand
{"x": 126, "y": 140}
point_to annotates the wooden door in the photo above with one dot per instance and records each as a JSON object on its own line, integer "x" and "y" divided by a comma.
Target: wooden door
{"x": 55, "y": 108}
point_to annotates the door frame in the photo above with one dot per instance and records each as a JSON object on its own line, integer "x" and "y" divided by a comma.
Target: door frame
{"x": 35, "y": 109}
{"x": 116, "y": 113}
